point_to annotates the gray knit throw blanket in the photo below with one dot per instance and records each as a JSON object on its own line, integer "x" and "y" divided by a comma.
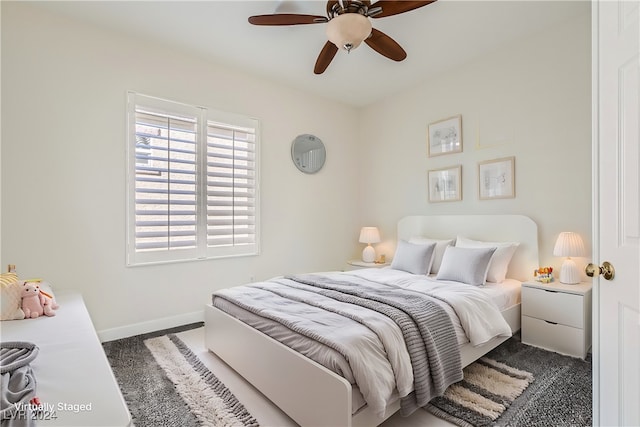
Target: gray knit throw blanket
{"x": 426, "y": 327}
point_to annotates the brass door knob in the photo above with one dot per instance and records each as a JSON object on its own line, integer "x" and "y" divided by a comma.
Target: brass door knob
{"x": 607, "y": 270}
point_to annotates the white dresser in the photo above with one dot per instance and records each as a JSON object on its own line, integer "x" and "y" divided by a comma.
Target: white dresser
{"x": 557, "y": 317}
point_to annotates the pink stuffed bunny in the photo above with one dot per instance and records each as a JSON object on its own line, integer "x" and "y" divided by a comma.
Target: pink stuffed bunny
{"x": 35, "y": 304}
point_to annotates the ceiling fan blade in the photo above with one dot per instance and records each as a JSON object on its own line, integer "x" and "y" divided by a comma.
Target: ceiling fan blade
{"x": 286, "y": 19}
{"x": 385, "y": 45}
{"x": 326, "y": 56}
{"x": 394, "y": 7}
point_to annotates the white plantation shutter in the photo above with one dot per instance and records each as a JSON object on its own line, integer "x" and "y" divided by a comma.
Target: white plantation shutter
{"x": 231, "y": 185}
{"x": 165, "y": 182}
{"x": 193, "y": 182}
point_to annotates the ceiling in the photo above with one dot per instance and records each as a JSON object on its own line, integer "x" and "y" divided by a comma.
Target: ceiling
{"x": 436, "y": 37}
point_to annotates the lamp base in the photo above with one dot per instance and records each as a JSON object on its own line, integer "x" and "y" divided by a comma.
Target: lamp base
{"x": 569, "y": 272}
{"x": 368, "y": 254}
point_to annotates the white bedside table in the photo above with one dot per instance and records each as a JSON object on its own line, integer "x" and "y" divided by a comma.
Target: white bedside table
{"x": 356, "y": 263}
{"x": 557, "y": 317}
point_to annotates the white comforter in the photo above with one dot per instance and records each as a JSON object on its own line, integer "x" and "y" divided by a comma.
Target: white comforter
{"x": 468, "y": 306}
{"x": 379, "y": 346}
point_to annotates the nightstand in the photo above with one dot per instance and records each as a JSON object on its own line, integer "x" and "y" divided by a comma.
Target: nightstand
{"x": 557, "y": 317}
{"x": 354, "y": 264}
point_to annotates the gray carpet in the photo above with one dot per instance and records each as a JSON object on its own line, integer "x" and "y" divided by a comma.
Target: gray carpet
{"x": 560, "y": 396}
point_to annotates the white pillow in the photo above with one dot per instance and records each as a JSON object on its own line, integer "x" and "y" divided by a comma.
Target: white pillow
{"x": 441, "y": 245}
{"x": 466, "y": 265}
{"x": 500, "y": 260}
{"x": 413, "y": 257}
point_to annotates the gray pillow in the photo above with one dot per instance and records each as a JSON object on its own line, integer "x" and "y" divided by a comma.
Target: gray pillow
{"x": 441, "y": 245}
{"x": 413, "y": 257}
{"x": 499, "y": 261}
{"x": 466, "y": 265}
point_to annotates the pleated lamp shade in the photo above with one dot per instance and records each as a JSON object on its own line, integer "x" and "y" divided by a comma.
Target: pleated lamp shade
{"x": 369, "y": 235}
{"x": 569, "y": 245}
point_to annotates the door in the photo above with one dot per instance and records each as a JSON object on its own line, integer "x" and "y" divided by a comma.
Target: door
{"x": 616, "y": 213}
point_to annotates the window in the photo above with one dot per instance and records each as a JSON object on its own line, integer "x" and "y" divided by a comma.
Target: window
{"x": 192, "y": 182}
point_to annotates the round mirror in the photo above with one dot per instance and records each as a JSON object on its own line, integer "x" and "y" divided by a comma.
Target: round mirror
{"x": 308, "y": 153}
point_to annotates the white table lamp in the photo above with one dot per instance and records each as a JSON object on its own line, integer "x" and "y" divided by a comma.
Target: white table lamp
{"x": 569, "y": 245}
{"x": 369, "y": 235}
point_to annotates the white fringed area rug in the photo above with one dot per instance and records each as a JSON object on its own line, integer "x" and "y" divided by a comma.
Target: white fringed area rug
{"x": 560, "y": 396}
{"x": 210, "y": 400}
{"x": 165, "y": 384}
{"x": 487, "y": 390}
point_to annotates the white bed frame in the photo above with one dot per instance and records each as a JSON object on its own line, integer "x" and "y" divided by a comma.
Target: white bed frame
{"x": 311, "y": 394}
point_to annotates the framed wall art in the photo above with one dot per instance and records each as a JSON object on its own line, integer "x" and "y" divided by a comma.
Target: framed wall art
{"x": 445, "y": 185}
{"x": 445, "y": 136}
{"x": 496, "y": 179}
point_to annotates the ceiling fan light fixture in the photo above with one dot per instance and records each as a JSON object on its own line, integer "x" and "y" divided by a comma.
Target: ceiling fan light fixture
{"x": 348, "y": 30}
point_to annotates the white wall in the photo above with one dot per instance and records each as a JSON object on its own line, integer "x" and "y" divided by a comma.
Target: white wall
{"x": 63, "y": 158}
{"x": 530, "y": 99}
{"x": 64, "y": 89}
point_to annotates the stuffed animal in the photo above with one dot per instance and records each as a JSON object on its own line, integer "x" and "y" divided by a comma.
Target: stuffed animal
{"x": 50, "y": 299}
{"x": 34, "y": 303}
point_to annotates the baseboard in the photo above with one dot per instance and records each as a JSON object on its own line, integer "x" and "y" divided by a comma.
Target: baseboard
{"x": 150, "y": 326}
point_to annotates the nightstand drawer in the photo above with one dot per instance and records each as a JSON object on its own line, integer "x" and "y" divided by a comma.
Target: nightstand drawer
{"x": 560, "y": 338}
{"x": 558, "y": 307}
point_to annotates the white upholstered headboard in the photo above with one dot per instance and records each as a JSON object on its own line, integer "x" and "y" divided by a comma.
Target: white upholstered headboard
{"x": 495, "y": 228}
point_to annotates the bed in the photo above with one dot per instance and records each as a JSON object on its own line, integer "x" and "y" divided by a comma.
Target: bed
{"x": 314, "y": 395}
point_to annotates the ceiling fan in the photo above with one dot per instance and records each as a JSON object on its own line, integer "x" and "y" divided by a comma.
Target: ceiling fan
{"x": 348, "y": 25}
